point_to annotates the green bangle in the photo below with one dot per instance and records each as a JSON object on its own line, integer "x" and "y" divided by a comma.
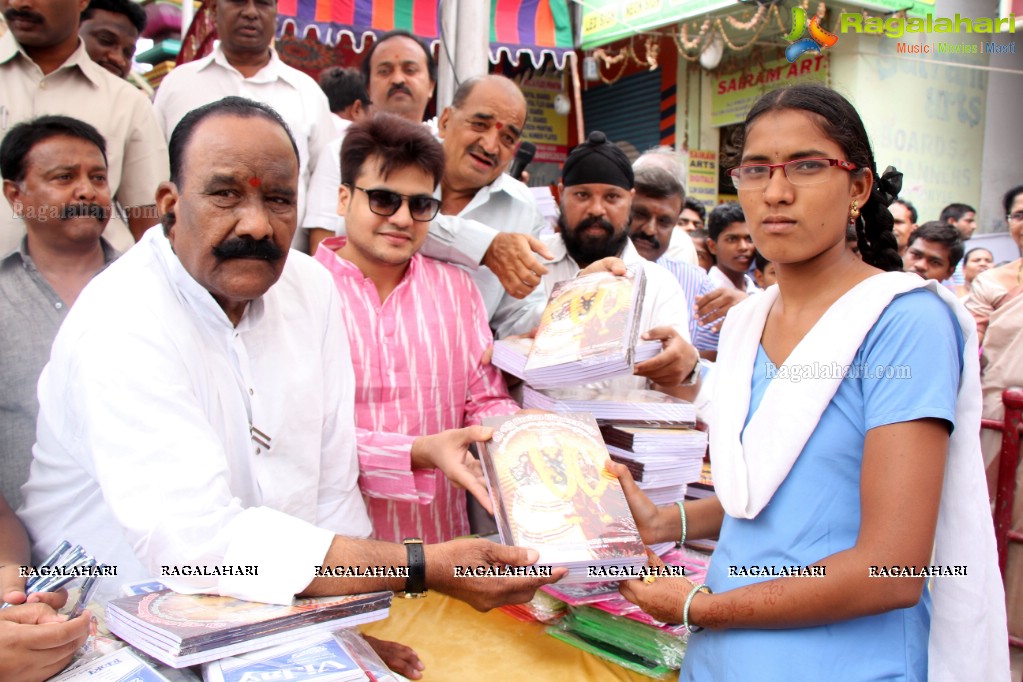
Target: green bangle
{"x": 682, "y": 513}
{"x": 693, "y": 629}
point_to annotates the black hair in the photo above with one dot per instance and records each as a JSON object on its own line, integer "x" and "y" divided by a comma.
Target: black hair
{"x": 722, "y": 216}
{"x": 136, "y": 15}
{"x": 955, "y": 212}
{"x": 396, "y": 142}
{"x": 761, "y": 262}
{"x": 837, "y": 119}
{"x": 1010, "y": 197}
{"x": 695, "y": 205}
{"x": 941, "y": 233}
{"x": 228, "y": 106}
{"x": 966, "y": 256}
{"x": 23, "y": 137}
{"x": 431, "y": 65}
{"x": 343, "y": 87}
{"x": 913, "y": 215}
{"x": 657, "y": 183}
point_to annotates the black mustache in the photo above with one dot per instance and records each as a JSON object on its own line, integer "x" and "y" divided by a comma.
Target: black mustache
{"x": 399, "y": 87}
{"x": 650, "y": 239}
{"x": 595, "y": 220}
{"x": 24, "y": 14}
{"x": 478, "y": 151}
{"x": 243, "y": 247}
{"x": 84, "y": 211}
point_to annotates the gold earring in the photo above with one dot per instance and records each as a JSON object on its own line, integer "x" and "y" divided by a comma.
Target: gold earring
{"x": 854, "y": 212}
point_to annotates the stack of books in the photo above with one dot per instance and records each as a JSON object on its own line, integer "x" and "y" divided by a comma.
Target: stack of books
{"x": 552, "y": 492}
{"x": 588, "y": 333}
{"x": 663, "y": 459}
{"x": 599, "y": 620}
{"x": 635, "y": 406}
{"x": 698, "y": 490}
{"x": 121, "y": 665}
{"x": 185, "y": 629}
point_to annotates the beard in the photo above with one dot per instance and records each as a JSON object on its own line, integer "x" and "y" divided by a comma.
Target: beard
{"x": 589, "y": 248}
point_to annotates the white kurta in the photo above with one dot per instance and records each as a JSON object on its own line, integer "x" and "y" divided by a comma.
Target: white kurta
{"x": 145, "y": 455}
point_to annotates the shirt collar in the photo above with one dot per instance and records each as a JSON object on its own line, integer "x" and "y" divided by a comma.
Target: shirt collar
{"x": 326, "y": 254}
{"x": 195, "y": 294}
{"x": 274, "y": 69}
{"x": 10, "y": 48}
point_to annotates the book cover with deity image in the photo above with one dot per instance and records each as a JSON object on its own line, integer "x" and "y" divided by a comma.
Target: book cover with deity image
{"x": 588, "y": 330}
{"x": 552, "y": 493}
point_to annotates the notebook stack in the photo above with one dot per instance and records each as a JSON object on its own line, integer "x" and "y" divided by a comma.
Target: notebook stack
{"x": 588, "y": 333}
{"x": 662, "y": 459}
{"x": 551, "y": 492}
{"x": 181, "y": 630}
{"x": 628, "y": 407}
{"x": 602, "y": 622}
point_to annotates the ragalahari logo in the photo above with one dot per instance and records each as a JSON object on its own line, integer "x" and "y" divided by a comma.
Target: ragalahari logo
{"x": 817, "y": 40}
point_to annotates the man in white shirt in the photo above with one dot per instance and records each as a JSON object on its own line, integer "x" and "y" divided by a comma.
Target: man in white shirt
{"x": 224, "y": 435}
{"x": 243, "y": 63}
{"x": 480, "y": 132}
{"x": 596, "y": 197}
{"x": 400, "y": 76}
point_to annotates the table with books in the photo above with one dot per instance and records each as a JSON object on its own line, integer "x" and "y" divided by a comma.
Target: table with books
{"x": 456, "y": 642}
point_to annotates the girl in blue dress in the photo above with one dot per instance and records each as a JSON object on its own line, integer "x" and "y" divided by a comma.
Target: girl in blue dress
{"x": 854, "y": 537}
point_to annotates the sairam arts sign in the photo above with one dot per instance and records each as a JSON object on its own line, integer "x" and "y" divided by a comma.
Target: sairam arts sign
{"x": 734, "y": 93}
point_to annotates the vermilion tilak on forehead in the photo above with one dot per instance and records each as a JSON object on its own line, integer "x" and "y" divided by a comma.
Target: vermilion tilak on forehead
{"x": 498, "y": 125}
{"x": 255, "y": 182}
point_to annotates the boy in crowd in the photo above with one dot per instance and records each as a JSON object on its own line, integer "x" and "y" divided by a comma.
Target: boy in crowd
{"x": 729, "y": 240}
{"x": 765, "y": 272}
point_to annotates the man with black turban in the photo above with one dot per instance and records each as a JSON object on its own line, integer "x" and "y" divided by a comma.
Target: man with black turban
{"x": 596, "y": 192}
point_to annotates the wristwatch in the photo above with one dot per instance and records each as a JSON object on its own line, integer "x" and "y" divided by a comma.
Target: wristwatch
{"x": 694, "y": 376}
{"x": 415, "y": 584}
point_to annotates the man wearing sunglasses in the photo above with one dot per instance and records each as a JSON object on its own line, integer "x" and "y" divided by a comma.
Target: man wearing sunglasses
{"x": 418, "y": 332}
{"x": 226, "y": 436}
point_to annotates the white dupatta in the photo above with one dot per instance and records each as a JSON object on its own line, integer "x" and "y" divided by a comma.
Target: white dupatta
{"x": 968, "y": 635}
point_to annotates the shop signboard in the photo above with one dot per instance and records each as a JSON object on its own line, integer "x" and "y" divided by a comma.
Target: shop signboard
{"x": 735, "y": 92}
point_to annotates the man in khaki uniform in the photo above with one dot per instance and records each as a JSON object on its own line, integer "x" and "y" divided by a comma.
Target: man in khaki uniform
{"x": 44, "y": 69}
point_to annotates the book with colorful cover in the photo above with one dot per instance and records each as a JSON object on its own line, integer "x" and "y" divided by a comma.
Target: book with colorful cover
{"x": 588, "y": 330}
{"x": 186, "y": 629}
{"x": 321, "y": 657}
{"x": 551, "y": 492}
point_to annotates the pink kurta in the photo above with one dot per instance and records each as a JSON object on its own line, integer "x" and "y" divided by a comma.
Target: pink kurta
{"x": 417, "y": 372}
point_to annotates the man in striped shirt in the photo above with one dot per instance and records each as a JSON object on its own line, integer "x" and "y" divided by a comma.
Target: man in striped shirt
{"x": 418, "y": 331}
{"x": 656, "y": 206}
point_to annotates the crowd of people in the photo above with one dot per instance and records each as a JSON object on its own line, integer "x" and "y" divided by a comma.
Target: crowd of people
{"x": 250, "y": 324}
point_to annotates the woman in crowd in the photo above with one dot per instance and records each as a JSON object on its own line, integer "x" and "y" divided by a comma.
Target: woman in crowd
{"x": 850, "y": 472}
{"x": 997, "y": 306}
{"x": 976, "y": 261}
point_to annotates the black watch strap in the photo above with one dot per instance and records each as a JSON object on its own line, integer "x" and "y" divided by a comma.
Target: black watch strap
{"x": 415, "y": 584}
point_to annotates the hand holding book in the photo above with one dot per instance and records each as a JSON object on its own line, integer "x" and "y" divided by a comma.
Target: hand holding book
{"x": 483, "y": 593}
{"x": 674, "y": 364}
{"x": 449, "y": 452}
{"x": 663, "y": 598}
{"x": 652, "y": 525}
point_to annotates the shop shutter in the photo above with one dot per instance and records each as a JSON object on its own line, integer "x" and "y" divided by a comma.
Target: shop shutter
{"x": 628, "y": 111}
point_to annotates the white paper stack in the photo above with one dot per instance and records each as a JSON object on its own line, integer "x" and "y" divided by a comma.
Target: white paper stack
{"x": 636, "y": 407}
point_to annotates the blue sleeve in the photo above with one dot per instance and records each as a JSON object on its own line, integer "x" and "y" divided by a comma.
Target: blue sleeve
{"x": 911, "y": 362}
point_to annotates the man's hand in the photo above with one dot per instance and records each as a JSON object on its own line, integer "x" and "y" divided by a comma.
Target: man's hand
{"x": 712, "y": 307}
{"x": 646, "y": 513}
{"x": 36, "y": 642}
{"x": 612, "y": 264}
{"x": 510, "y": 257}
{"x": 449, "y": 452}
{"x": 482, "y": 593}
{"x": 673, "y": 364}
{"x": 12, "y": 590}
{"x": 663, "y": 599}
{"x": 398, "y": 657}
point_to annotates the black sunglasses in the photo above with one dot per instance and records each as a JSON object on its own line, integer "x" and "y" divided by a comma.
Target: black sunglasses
{"x": 422, "y": 207}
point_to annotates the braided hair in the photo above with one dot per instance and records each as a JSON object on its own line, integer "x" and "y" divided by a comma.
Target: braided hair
{"x": 837, "y": 119}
